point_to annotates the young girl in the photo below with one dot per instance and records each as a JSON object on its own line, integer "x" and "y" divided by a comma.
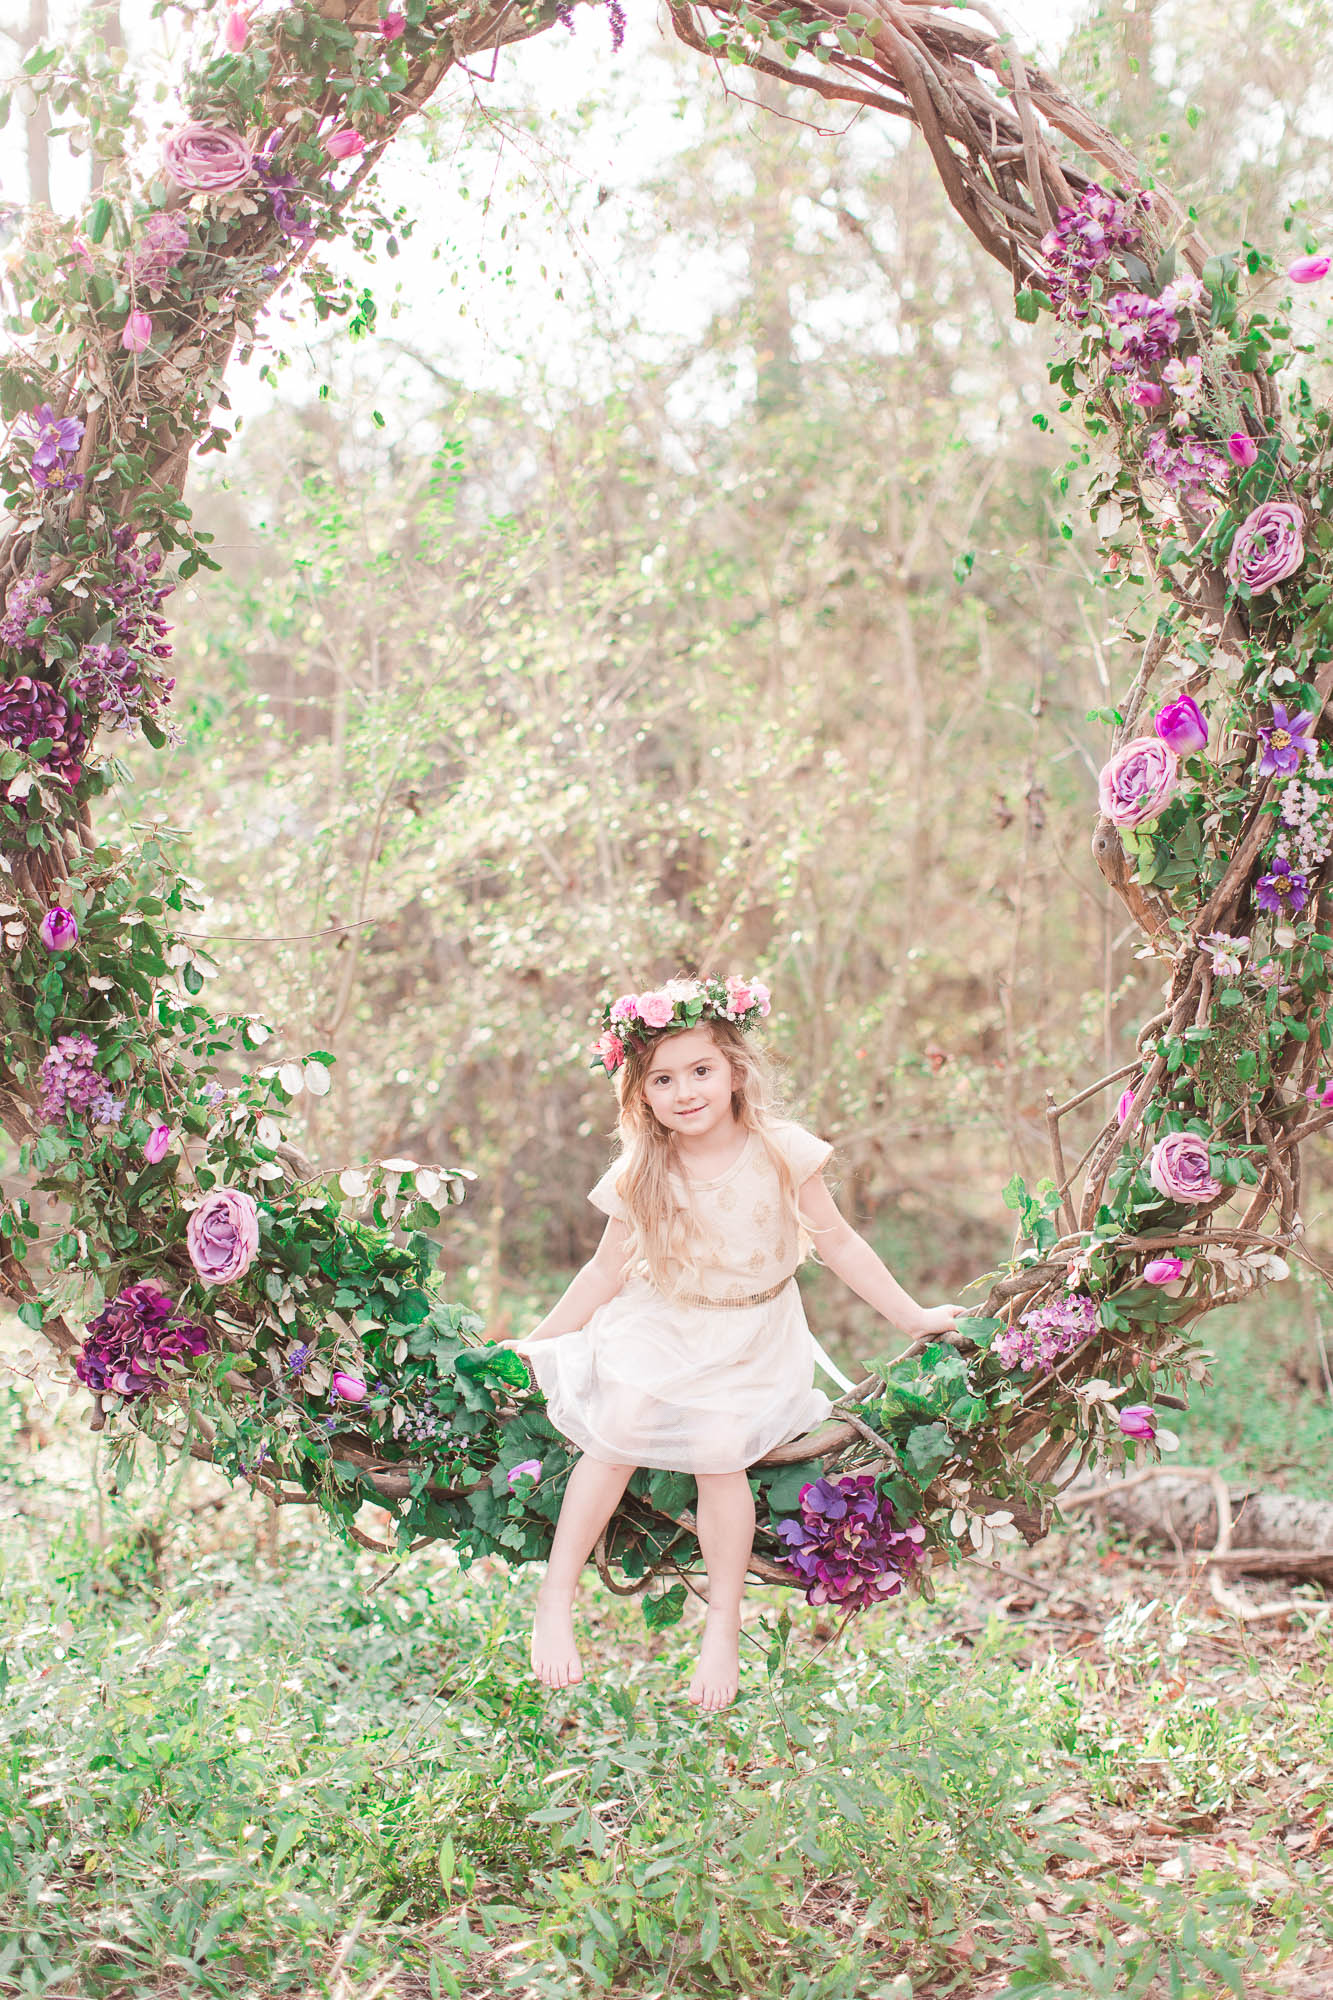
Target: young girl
{"x": 683, "y": 1343}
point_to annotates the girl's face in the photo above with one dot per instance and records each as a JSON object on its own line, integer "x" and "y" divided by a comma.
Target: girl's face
{"x": 688, "y": 1084}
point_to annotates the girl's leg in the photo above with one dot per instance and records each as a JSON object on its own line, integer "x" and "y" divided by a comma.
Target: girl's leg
{"x": 725, "y": 1520}
{"x": 591, "y": 1498}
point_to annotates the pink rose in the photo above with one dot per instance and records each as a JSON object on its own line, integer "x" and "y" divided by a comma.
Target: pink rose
{"x": 344, "y": 144}
{"x": 222, "y": 1236}
{"x": 609, "y": 1051}
{"x": 1309, "y": 270}
{"x": 1242, "y": 449}
{"x": 655, "y": 1009}
{"x": 59, "y": 929}
{"x": 1179, "y": 1168}
{"x": 1182, "y": 726}
{"x": 1269, "y": 546}
{"x": 137, "y": 332}
{"x": 157, "y": 1144}
{"x": 1162, "y": 1271}
{"x": 1140, "y": 1422}
{"x": 1137, "y": 781}
{"x": 739, "y": 994}
{"x": 760, "y": 995}
{"x": 350, "y": 1387}
{"x": 206, "y": 159}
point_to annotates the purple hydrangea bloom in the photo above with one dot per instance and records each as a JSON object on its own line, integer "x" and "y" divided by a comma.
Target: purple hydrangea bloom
{"x": 1285, "y": 888}
{"x": 845, "y": 1547}
{"x": 23, "y": 603}
{"x": 30, "y": 710}
{"x": 70, "y": 1080}
{"x": 134, "y": 1340}
{"x": 1041, "y": 1334}
{"x": 1286, "y": 739}
{"x": 123, "y": 683}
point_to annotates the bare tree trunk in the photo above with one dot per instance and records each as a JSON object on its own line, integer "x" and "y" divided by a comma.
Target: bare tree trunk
{"x": 1277, "y": 1534}
{"x": 114, "y": 36}
{"x": 38, "y": 123}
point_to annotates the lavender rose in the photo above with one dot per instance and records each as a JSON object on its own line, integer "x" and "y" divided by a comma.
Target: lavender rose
{"x": 222, "y": 1236}
{"x": 207, "y": 159}
{"x": 1179, "y": 1168}
{"x": 1137, "y": 781}
{"x": 1269, "y": 546}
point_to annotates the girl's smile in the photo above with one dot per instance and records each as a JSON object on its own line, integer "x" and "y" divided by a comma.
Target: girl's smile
{"x": 689, "y": 1087}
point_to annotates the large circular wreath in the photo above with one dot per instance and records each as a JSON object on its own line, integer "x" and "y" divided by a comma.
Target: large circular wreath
{"x": 219, "y": 1295}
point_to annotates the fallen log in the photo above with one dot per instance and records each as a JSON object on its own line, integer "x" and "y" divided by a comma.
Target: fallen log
{"x": 1272, "y": 1534}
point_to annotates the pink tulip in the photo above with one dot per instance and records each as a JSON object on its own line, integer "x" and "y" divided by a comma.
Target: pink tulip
{"x": 1309, "y": 270}
{"x": 236, "y": 30}
{"x": 137, "y": 332}
{"x": 1146, "y": 394}
{"x": 59, "y": 929}
{"x": 1242, "y": 448}
{"x": 1162, "y": 1270}
{"x": 1182, "y": 726}
{"x": 157, "y": 1144}
{"x": 1139, "y": 1421}
{"x": 350, "y": 1387}
{"x": 527, "y": 1468}
{"x": 344, "y": 144}
{"x": 392, "y": 26}
{"x": 1126, "y": 1100}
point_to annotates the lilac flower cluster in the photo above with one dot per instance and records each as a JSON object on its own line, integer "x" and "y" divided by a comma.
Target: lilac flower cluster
{"x": 70, "y": 1080}
{"x": 1148, "y": 328}
{"x": 134, "y": 1340}
{"x": 162, "y": 242}
{"x": 123, "y": 683}
{"x": 1307, "y": 831}
{"x": 24, "y": 602}
{"x": 1041, "y": 1334}
{"x": 845, "y": 1547}
{"x": 1188, "y": 466}
{"x": 29, "y": 711}
{"x": 1084, "y": 236}
{"x": 57, "y": 446}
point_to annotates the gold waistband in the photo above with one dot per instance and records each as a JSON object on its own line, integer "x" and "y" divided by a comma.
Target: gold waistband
{"x": 729, "y": 1305}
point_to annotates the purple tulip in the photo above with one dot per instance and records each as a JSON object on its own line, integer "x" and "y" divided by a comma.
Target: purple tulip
{"x": 59, "y": 930}
{"x": 527, "y": 1468}
{"x": 1309, "y": 270}
{"x": 1179, "y": 1168}
{"x": 137, "y": 332}
{"x": 1269, "y": 546}
{"x": 1182, "y": 726}
{"x": 1286, "y": 739}
{"x": 157, "y": 1144}
{"x": 222, "y": 1236}
{"x": 1242, "y": 448}
{"x": 1140, "y": 1422}
{"x": 1162, "y": 1271}
{"x": 350, "y": 1388}
{"x": 1138, "y": 781}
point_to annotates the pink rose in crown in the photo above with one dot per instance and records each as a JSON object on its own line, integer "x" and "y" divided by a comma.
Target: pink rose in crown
{"x": 626, "y": 1008}
{"x": 609, "y": 1051}
{"x": 344, "y": 144}
{"x": 222, "y": 1236}
{"x": 59, "y": 929}
{"x": 760, "y": 995}
{"x": 1179, "y": 1168}
{"x": 1269, "y": 546}
{"x": 1138, "y": 781}
{"x": 739, "y": 994}
{"x": 1182, "y": 726}
{"x": 1242, "y": 449}
{"x": 207, "y": 159}
{"x": 655, "y": 1009}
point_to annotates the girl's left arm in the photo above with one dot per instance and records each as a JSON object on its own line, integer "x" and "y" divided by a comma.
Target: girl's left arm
{"x": 851, "y": 1257}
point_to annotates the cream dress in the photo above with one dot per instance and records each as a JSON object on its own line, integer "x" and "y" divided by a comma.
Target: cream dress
{"x": 687, "y": 1388}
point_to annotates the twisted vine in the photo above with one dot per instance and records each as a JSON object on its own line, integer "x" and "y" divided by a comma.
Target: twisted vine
{"x": 223, "y": 1297}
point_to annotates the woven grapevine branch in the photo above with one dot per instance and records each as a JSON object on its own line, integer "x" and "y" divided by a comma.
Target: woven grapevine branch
{"x": 223, "y": 1297}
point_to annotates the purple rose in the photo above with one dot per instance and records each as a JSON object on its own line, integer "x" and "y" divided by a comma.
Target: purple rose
{"x": 350, "y": 1388}
{"x": 59, "y": 930}
{"x": 1182, "y": 726}
{"x": 1162, "y": 1271}
{"x": 1242, "y": 449}
{"x": 1269, "y": 546}
{"x": 207, "y": 159}
{"x": 157, "y": 1144}
{"x": 1139, "y": 1421}
{"x": 1137, "y": 781}
{"x": 222, "y": 1236}
{"x": 1179, "y": 1168}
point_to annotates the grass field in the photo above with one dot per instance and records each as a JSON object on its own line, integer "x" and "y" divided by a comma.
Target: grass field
{"x": 237, "y": 1759}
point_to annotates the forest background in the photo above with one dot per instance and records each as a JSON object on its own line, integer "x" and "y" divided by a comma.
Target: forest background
{"x": 681, "y": 566}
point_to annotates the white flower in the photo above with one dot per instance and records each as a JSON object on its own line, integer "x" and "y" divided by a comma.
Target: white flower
{"x": 1226, "y": 953}
{"x": 1188, "y": 291}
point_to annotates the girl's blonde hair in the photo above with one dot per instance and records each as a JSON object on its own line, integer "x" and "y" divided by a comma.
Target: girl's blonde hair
{"x": 666, "y": 1236}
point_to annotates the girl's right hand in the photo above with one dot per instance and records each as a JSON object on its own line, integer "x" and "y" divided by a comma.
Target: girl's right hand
{"x": 941, "y": 1319}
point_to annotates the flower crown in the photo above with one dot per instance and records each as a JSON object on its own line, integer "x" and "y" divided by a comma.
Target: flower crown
{"x": 681, "y": 1003}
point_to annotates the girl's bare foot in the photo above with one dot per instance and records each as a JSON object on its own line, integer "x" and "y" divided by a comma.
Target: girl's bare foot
{"x": 717, "y": 1675}
{"x": 555, "y": 1656}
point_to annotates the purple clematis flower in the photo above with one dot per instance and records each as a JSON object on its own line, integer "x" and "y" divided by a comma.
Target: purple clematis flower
{"x": 1286, "y": 739}
{"x": 57, "y": 437}
{"x": 1285, "y": 887}
{"x": 55, "y": 478}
